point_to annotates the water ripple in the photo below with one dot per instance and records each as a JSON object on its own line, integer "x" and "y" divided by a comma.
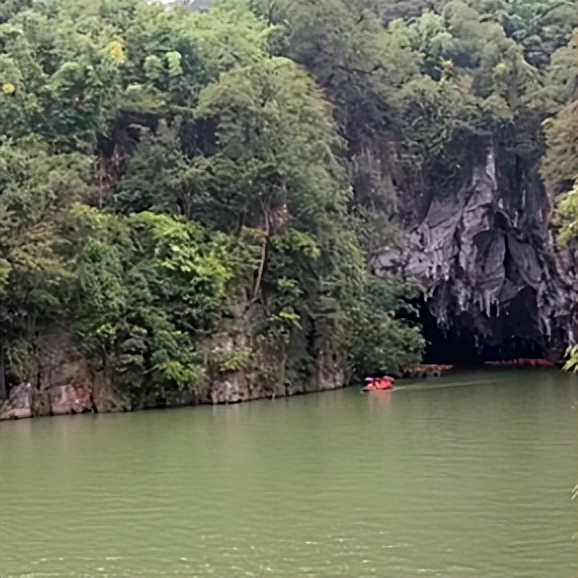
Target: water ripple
{"x": 458, "y": 481}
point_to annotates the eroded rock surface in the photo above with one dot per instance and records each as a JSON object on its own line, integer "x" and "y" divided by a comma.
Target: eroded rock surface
{"x": 65, "y": 385}
{"x": 486, "y": 261}
{"x": 68, "y": 386}
{"x": 18, "y": 404}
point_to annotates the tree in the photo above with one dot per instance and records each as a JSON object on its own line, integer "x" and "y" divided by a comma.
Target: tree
{"x": 36, "y": 190}
{"x": 540, "y": 27}
{"x": 381, "y": 339}
{"x": 149, "y": 289}
{"x": 560, "y": 163}
{"x": 559, "y": 167}
{"x": 234, "y": 170}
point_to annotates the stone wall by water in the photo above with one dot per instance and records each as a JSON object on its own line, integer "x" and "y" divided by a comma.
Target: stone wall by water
{"x": 66, "y": 384}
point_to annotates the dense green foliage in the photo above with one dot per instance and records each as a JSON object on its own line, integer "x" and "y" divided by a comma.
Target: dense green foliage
{"x": 167, "y": 176}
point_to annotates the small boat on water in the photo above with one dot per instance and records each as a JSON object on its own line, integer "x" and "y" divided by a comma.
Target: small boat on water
{"x": 379, "y": 383}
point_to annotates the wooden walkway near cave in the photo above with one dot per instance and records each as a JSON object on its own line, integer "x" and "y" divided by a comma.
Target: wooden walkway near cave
{"x": 521, "y": 363}
{"x": 426, "y": 370}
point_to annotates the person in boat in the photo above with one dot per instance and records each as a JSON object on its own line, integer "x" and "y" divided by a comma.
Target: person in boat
{"x": 387, "y": 381}
{"x": 379, "y": 383}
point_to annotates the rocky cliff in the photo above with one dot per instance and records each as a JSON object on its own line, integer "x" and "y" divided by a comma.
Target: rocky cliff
{"x": 65, "y": 384}
{"x": 486, "y": 262}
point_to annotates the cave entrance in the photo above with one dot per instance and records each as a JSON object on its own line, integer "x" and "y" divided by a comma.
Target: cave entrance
{"x": 513, "y": 335}
{"x": 450, "y": 347}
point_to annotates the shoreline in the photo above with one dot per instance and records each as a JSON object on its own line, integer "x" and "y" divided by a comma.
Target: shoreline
{"x": 20, "y": 406}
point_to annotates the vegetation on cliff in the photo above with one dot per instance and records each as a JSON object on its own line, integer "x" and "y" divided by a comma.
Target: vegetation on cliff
{"x": 167, "y": 176}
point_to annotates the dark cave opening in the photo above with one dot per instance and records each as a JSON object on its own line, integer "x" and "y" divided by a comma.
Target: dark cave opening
{"x": 461, "y": 346}
{"x": 450, "y": 347}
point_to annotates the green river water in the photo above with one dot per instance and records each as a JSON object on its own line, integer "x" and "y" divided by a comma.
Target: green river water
{"x": 468, "y": 475}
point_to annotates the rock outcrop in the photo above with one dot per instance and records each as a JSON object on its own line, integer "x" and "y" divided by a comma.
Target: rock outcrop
{"x": 67, "y": 385}
{"x": 64, "y": 384}
{"x": 486, "y": 262}
{"x": 244, "y": 384}
{"x": 19, "y": 403}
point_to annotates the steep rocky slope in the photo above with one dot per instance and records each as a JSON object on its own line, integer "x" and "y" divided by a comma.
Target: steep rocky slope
{"x": 487, "y": 263}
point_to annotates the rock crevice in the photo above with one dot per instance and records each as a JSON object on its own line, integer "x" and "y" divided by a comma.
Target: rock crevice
{"x": 486, "y": 262}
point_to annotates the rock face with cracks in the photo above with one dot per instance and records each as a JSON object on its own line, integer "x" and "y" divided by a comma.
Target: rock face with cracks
{"x": 64, "y": 384}
{"x": 486, "y": 261}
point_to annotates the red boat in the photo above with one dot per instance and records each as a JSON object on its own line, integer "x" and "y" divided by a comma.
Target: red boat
{"x": 379, "y": 383}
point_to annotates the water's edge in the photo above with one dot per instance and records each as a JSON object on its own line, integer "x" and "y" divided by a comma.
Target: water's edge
{"x": 14, "y": 409}
{"x": 59, "y": 400}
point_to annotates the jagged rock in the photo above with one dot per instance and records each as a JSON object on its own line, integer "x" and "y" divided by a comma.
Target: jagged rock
{"x": 230, "y": 388}
{"x": 104, "y": 398}
{"x": 67, "y": 399}
{"x": 486, "y": 261}
{"x": 329, "y": 376}
{"x": 66, "y": 384}
{"x": 40, "y": 403}
{"x": 18, "y": 404}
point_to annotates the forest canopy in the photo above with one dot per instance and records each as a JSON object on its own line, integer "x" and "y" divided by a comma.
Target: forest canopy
{"x": 167, "y": 175}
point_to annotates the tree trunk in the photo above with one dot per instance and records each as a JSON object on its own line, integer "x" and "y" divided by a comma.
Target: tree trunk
{"x": 257, "y": 287}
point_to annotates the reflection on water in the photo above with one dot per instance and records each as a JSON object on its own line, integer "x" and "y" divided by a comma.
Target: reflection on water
{"x": 465, "y": 476}
{"x": 379, "y": 400}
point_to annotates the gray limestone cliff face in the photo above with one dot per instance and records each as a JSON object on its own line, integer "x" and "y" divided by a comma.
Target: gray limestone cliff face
{"x": 486, "y": 261}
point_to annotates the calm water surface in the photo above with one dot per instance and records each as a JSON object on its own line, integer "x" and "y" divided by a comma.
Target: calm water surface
{"x": 469, "y": 475}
